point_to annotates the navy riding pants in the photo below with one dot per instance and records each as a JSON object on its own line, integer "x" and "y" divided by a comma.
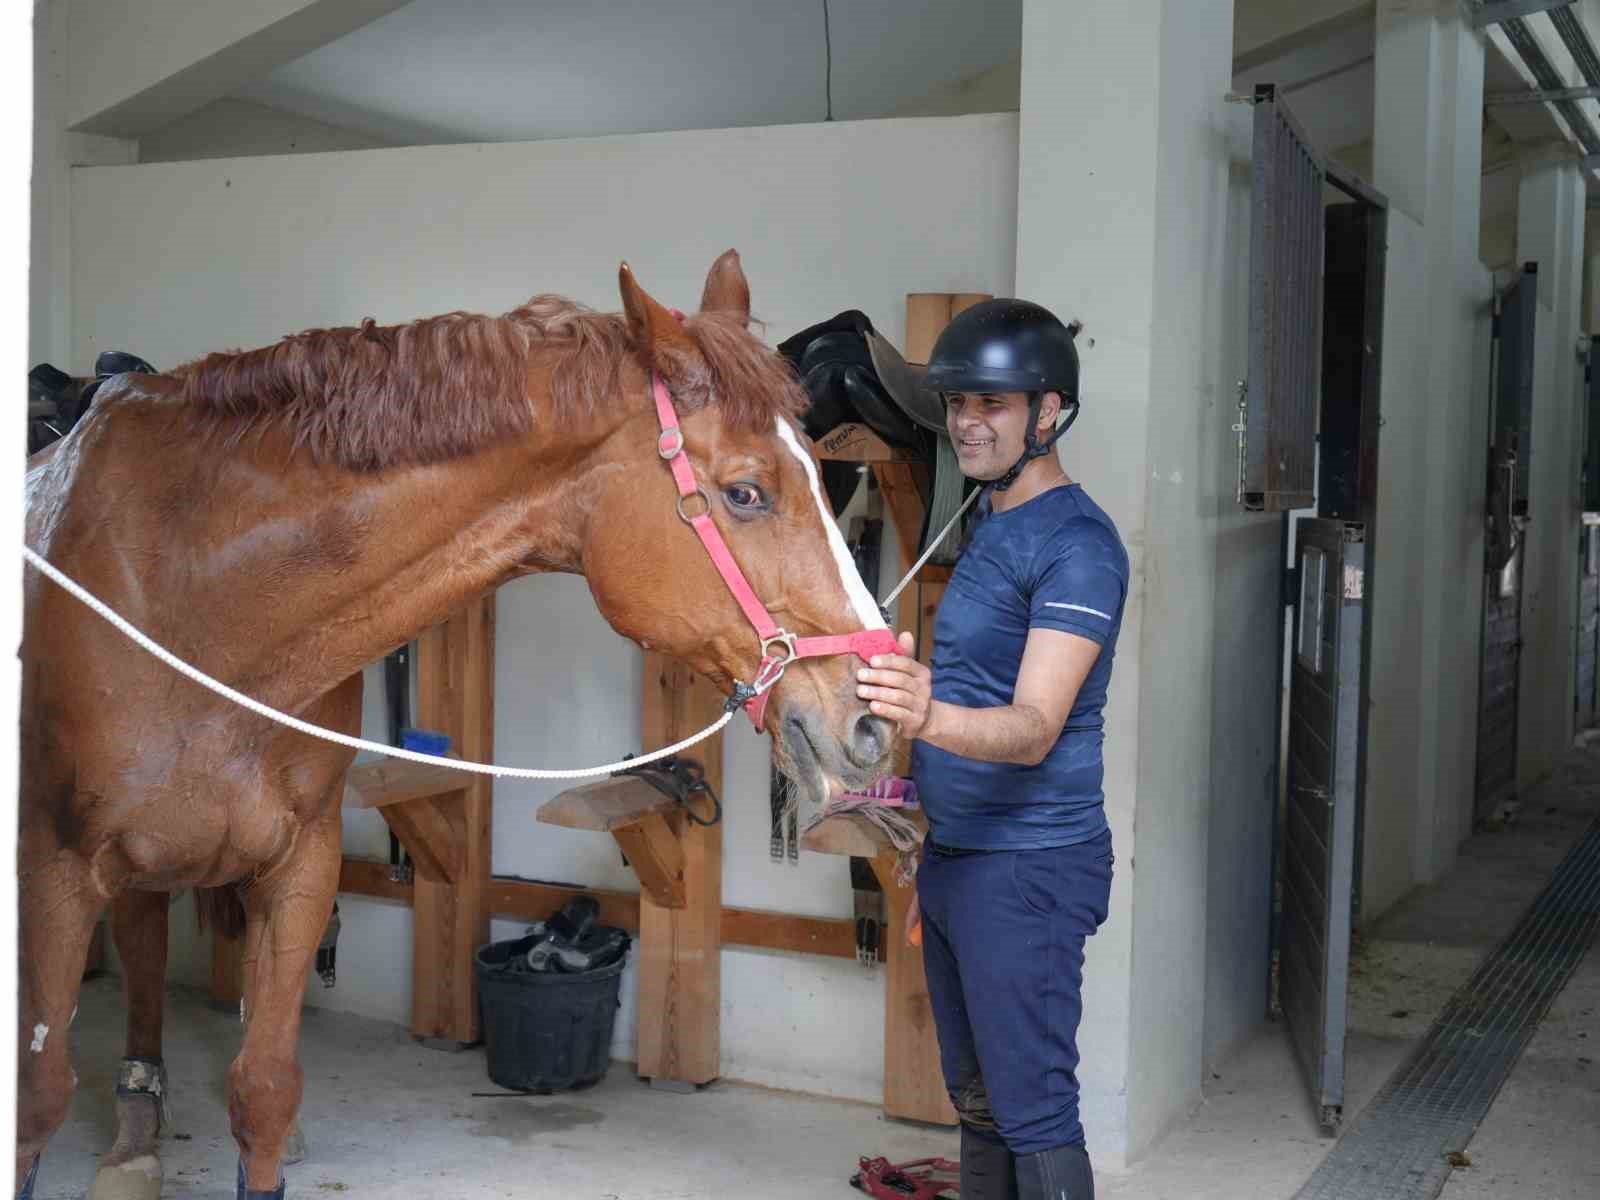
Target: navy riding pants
{"x": 1002, "y": 940}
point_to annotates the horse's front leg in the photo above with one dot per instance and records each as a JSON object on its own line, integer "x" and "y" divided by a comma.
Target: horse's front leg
{"x": 59, "y": 906}
{"x": 286, "y": 912}
{"x": 131, "y": 1170}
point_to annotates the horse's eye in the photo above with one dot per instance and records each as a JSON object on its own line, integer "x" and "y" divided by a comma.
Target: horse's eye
{"x": 746, "y": 497}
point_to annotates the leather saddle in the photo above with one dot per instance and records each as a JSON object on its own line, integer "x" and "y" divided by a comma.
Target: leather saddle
{"x": 851, "y": 372}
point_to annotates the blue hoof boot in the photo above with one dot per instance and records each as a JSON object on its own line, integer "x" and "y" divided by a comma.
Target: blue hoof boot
{"x": 25, "y": 1192}
{"x": 246, "y": 1193}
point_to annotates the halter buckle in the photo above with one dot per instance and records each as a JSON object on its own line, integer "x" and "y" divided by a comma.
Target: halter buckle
{"x": 670, "y": 444}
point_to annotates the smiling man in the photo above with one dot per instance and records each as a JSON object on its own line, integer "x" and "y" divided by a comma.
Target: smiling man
{"x": 1016, "y": 871}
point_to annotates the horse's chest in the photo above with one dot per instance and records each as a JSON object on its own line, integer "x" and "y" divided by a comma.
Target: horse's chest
{"x": 196, "y": 810}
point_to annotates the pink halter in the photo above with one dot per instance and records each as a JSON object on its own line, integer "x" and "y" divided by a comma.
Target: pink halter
{"x": 779, "y": 647}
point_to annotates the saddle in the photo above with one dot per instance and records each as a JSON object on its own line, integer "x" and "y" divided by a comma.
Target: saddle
{"x": 57, "y": 401}
{"x": 852, "y": 373}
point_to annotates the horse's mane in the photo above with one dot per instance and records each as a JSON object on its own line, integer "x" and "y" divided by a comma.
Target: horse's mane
{"x": 373, "y": 396}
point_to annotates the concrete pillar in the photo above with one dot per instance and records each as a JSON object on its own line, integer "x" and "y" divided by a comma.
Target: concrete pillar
{"x": 1550, "y": 228}
{"x": 55, "y": 152}
{"x": 1427, "y": 573}
{"x": 50, "y": 227}
{"x": 1122, "y": 208}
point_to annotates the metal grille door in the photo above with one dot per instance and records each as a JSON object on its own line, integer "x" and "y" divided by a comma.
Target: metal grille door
{"x": 1509, "y": 451}
{"x": 1497, "y": 688}
{"x": 1319, "y": 830}
{"x": 1278, "y": 467}
{"x": 1513, "y": 385}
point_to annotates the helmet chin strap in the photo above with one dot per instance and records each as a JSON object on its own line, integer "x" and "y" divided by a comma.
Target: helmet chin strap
{"x": 1034, "y": 448}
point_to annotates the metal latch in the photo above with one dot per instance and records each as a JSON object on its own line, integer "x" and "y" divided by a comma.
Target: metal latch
{"x": 1238, "y": 429}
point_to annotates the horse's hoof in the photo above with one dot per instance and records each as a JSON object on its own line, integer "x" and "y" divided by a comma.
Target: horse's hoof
{"x": 294, "y": 1150}
{"x": 137, "y": 1179}
{"x": 246, "y": 1193}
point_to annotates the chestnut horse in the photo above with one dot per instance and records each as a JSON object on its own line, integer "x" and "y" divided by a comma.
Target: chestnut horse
{"x": 281, "y": 517}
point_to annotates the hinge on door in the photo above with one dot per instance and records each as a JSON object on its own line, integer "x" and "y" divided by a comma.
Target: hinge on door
{"x": 1291, "y": 586}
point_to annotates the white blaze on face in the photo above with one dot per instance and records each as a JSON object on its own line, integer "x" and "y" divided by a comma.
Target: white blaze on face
{"x": 40, "y": 1032}
{"x": 860, "y": 599}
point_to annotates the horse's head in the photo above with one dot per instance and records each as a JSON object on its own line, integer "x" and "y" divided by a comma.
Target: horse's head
{"x": 654, "y": 580}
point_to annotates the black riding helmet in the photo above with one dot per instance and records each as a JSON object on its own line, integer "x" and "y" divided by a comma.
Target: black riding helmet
{"x": 1010, "y": 346}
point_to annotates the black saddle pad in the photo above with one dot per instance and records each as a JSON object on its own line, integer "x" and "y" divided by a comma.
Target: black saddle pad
{"x": 57, "y": 401}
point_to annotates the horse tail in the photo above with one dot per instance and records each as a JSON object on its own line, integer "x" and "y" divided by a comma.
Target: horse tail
{"x": 221, "y": 909}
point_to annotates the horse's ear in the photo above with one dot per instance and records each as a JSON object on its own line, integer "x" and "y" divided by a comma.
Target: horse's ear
{"x": 727, "y": 290}
{"x": 655, "y": 331}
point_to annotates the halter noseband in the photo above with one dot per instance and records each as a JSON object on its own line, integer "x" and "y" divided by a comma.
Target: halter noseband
{"x": 779, "y": 647}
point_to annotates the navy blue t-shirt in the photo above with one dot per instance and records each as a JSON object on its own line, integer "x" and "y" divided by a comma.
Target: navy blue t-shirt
{"x": 1053, "y": 562}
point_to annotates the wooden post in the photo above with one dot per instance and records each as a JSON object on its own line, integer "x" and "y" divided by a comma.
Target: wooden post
{"x": 455, "y": 695}
{"x": 680, "y": 949}
{"x": 913, "y": 1082}
{"x": 927, "y": 313}
{"x": 913, "y": 1085}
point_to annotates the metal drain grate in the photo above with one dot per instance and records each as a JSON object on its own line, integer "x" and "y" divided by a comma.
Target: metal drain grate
{"x": 1432, "y": 1104}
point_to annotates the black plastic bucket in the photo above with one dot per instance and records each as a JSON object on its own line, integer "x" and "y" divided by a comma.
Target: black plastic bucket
{"x": 546, "y": 1031}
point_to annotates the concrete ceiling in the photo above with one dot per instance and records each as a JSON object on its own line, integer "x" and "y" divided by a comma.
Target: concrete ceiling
{"x": 515, "y": 70}
{"x": 1328, "y": 83}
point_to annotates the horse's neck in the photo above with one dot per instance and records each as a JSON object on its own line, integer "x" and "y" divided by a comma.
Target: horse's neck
{"x": 284, "y": 577}
{"x": 431, "y": 539}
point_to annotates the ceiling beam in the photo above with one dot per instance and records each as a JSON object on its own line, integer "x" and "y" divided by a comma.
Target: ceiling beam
{"x": 134, "y": 67}
{"x": 1266, "y": 30}
{"x": 1507, "y": 10}
{"x": 1527, "y": 47}
{"x": 1541, "y": 96}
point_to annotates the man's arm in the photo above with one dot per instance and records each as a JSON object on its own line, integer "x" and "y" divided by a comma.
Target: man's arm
{"x": 1054, "y": 665}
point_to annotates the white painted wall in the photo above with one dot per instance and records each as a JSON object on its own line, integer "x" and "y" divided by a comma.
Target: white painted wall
{"x": 1245, "y": 612}
{"x": 176, "y": 259}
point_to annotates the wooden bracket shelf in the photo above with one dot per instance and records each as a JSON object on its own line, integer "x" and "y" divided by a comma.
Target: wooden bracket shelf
{"x": 847, "y": 833}
{"x": 422, "y": 804}
{"x": 636, "y": 814}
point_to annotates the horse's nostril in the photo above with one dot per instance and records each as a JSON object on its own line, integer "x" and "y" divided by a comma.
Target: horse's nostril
{"x": 870, "y": 738}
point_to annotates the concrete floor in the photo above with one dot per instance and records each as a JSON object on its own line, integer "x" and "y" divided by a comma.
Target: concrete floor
{"x": 388, "y": 1118}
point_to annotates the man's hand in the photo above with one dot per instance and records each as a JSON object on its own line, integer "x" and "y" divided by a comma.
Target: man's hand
{"x": 899, "y": 687}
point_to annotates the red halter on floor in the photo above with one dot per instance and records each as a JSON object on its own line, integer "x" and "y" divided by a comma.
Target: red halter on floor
{"x": 779, "y": 647}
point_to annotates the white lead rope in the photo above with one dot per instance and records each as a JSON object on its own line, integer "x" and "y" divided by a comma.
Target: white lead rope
{"x": 932, "y": 546}
{"x": 344, "y": 739}
{"x": 101, "y": 608}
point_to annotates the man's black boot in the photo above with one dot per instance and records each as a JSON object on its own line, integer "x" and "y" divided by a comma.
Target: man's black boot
{"x": 988, "y": 1171}
{"x": 1059, "y": 1174}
